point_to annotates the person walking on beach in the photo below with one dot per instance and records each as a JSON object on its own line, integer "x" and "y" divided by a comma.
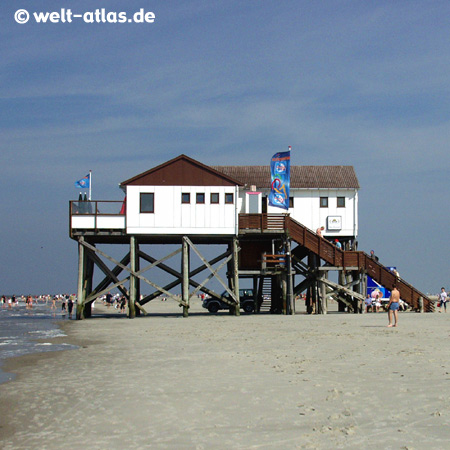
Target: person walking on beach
{"x": 123, "y": 304}
{"x": 70, "y": 307}
{"x": 442, "y": 299}
{"x": 393, "y": 306}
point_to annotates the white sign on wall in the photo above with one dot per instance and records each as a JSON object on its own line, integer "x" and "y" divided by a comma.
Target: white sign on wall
{"x": 334, "y": 222}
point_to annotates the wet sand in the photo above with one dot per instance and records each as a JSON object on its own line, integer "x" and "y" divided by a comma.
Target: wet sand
{"x": 249, "y": 382}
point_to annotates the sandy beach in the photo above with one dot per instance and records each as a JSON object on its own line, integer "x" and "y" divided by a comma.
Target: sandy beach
{"x": 248, "y": 382}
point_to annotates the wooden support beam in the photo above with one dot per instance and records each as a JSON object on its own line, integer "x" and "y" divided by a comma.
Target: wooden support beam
{"x": 111, "y": 275}
{"x": 303, "y": 286}
{"x": 133, "y": 279}
{"x": 236, "y": 249}
{"x": 81, "y": 276}
{"x": 283, "y": 282}
{"x": 323, "y": 293}
{"x": 339, "y": 287}
{"x": 179, "y": 276}
{"x": 201, "y": 285}
{"x": 137, "y": 274}
{"x": 218, "y": 278}
{"x": 290, "y": 279}
{"x": 185, "y": 273}
{"x": 87, "y": 311}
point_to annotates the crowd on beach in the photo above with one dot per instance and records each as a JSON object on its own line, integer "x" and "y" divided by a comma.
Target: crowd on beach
{"x": 374, "y": 302}
{"x": 63, "y": 302}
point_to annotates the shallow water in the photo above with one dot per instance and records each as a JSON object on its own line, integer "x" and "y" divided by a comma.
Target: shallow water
{"x": 21, "y": 329}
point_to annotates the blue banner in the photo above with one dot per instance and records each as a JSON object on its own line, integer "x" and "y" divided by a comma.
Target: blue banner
{"x": 280, "y": 170}
{"x": 84, "y": 182}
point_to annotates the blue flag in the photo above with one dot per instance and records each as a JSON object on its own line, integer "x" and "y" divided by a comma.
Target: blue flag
{"x": 280, "y": 170}
{"x": 84, "y": 182}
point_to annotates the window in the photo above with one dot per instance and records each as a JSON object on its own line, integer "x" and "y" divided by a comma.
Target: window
{"x": 185, "y": 197}
{"x": 324, "y": 202}
{"x": 214, "y": 198}
{"x": 147, "y": 203}
{"x": 200, "y": 197}
{"x": 291, "y": 202}
{"x": 229, "y": 199}
{"x": 341, "y": 202}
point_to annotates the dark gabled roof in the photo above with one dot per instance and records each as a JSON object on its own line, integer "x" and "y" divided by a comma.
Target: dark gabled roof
{"x": 182, "y": 171}
{"x": 302, "y": 177}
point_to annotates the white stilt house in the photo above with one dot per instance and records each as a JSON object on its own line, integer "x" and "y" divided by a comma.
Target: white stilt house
{"x": 186, "y": 202}
{"x": 180, "y": 197}
{"x": 183, "y": 196}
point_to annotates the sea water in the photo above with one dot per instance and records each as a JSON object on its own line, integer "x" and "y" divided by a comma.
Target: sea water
{"x": 24, "y": 331}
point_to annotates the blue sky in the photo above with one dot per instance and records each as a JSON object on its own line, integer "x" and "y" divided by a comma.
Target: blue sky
{"x": 226, "y": 82}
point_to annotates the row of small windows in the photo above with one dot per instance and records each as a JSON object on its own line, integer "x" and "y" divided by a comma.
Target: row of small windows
{"x": 147, "y": 200}
{"x": 200, "y": 198}
{"x": 323, "y": 202}
{"x": 340, "y": 202}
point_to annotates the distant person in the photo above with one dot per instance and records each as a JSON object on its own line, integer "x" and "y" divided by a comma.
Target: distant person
{"x": 373, "y": 256}
{"x": 63, "y": 304}
{"x": 393, "y": 306}
{"x": 319, "y": 231}
{"x": 378, "y": 298}
{"x": 442, "y": 300}
{"x": 338, "y": 244}
{"x": 368, "y": 303}
{"x": 123, "y": 304}
{"x": 70, "y": 307}
{"x": 395, "y": 272}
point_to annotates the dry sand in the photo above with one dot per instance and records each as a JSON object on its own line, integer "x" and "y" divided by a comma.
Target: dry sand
{"x": 249, "y": 382}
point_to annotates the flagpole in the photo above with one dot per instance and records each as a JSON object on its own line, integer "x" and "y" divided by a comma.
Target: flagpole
{"x": 90, "y": 184}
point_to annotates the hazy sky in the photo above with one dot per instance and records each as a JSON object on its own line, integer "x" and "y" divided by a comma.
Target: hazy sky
{"x": 357, "y": 83}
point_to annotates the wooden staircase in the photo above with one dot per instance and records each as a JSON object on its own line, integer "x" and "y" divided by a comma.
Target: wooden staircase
{"x": 265, "y": 294}
{"x": 328, "y": 252}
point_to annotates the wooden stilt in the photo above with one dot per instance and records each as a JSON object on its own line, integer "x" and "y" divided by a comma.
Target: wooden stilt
{"x": 357, "y": 289}
{"x": 342, "y": 282}
{"x": 137, "y": 283}
{"x": 185, "y": 276}
{"x": 133, "y": 280}
{"x": 290, "y": 279}
{"x": 237, "y": 309}
{"x": 81, "y": 276}
{"x": 88, "y": 283}
{"x": 421, "y": 308}
{"x": 364, "y": 289}
{"x": 283, "y": 281}
{"x": 323, "y": 294}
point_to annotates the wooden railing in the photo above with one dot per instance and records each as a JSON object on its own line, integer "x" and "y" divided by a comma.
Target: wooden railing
{"x": 333, "y": 255}
{"x": 262, "y": 222}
